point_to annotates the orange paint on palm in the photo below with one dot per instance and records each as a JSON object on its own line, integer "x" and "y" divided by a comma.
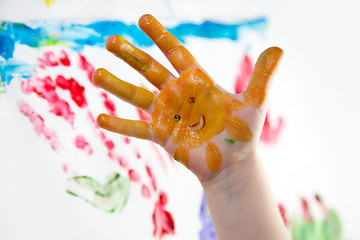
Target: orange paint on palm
{"x": 192, "y": 110}
{"x": 213, "y": 157}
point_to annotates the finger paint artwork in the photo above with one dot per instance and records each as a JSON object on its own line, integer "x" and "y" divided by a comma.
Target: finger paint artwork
{"x": 56, "y": 74}
{"x": 51, "y": 64}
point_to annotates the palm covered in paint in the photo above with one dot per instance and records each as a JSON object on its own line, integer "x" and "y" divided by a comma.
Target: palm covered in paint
{"x": 199, "y": 123}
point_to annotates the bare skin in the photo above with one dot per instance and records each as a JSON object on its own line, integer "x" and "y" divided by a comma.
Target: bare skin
{"x": 212, "y": 132}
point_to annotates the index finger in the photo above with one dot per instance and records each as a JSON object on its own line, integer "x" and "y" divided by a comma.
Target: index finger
{"x": 175, "y": 52}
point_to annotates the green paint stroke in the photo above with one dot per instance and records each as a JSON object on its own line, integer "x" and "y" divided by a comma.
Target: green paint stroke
{"x": 329, "y": 228}
{"x": 229, "y": 141}
{"x": 109, "y": 197}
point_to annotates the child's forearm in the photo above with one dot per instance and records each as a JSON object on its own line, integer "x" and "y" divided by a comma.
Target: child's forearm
{"x": 241, "y": 203}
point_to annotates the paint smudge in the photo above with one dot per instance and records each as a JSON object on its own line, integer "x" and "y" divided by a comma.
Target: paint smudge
{"x": 39, "y": 125}
{"x": 244, "y": 74}
{"x": 109, "y": 197}
{"x": 163, "y": 221}
{"x": 145, "y": 191}
{"x": 45, "y": 88}
{"x": 152, "y": 177}
{"x": 143, "y": 115}
{"x": 49, "y": 2}
{"x": 283, "y": 214}
{"x": 208, "y": 231}
{"x": 87, "y": 67}
{"x": 76, "y": 90}
{"x": 81, "y": 143}
{"x": 109, "y": 104}
{"x": 271, "y": 132}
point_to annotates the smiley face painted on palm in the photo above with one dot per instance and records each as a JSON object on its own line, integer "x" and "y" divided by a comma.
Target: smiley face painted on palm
{"x": 192, "y": 110}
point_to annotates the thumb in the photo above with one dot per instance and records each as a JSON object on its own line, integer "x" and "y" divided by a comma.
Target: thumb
{"x": 256, "y": 91}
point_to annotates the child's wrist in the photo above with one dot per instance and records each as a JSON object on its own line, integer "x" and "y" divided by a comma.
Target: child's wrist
{"x": 233, "y": 178}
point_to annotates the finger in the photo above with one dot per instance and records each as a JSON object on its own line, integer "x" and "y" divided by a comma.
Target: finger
{"x": 177, "y": 54}
{"x": 254, "y": 95}
{"x": 153, "y": 71}
{"x": 139, "y": 97}
{"x": 131, "y": 128}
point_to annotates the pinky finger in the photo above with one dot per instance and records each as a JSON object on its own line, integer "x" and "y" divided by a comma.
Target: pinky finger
{"x": 131, "y": 128}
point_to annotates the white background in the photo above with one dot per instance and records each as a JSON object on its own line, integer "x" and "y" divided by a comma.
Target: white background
{"x": 316, "y": 90}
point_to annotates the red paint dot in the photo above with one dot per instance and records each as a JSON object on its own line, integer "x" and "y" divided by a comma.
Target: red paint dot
{"x": 133, "y": 175}
{"x": 127, "y": 140}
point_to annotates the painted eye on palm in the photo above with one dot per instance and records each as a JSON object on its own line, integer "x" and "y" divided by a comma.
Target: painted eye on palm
{"x": 189, "y": 110}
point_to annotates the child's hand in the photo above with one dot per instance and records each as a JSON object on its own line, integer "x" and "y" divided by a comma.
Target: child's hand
{"x": 199, "y": 123}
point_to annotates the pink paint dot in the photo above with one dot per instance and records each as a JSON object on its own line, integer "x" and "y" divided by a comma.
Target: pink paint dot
{"x": 133, "y": 175}
{"x": 81, "y": 143}
{"x": 145, "y": 191}
{"x": 138, "y": 156}
{"x": 122, "y": 162}
{"x": 127, "y": 140}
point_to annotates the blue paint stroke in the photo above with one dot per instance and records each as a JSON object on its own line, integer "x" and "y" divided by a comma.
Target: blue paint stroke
{"x": 208, "y": 231}
{"x": 14, "y": 68}
{"x": 76, "y": 36}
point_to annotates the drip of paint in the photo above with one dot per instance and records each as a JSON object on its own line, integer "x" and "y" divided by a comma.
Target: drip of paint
{"x": 112, "y": 196}
{"x": 109, "y": 104}
{"x": 39, "y": 125}
{"x": 163, "y": 221}
{"x": 45, "y": 88}
{"x": 81, "y": 143}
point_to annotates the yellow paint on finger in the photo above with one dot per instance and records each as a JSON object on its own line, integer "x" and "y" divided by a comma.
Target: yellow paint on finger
{"x": 213, "y": 157}
{"x": 137, "y": 96}
{"x": 139, "y": 60}
{"x": 138, "y": 128}
{"x": 254, "y": 95}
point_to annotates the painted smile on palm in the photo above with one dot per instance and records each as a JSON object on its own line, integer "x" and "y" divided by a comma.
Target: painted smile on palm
{"x": 190, "y": 111}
